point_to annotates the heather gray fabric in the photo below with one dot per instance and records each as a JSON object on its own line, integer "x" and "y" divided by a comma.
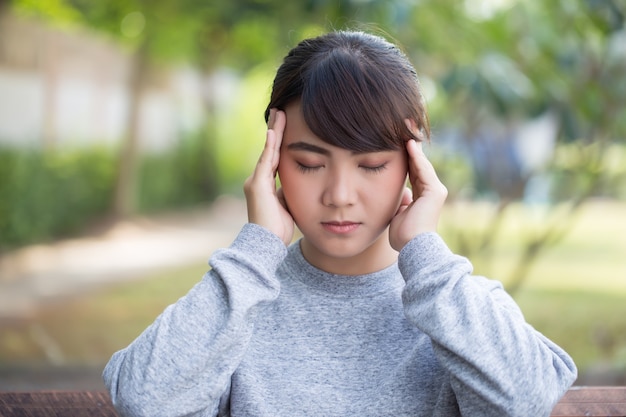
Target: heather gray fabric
{"x": 267, "y": 334}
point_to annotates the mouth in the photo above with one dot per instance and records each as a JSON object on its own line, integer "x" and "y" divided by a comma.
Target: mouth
{"x": 343, "y": 227}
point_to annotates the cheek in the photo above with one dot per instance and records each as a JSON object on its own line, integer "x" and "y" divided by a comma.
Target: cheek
{"x": 393, "y": 190}
{"x": 293, "y": 187}
{"x": 285, "y": 173}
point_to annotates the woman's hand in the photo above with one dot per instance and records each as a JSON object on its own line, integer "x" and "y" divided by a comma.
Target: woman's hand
{"x": 422, "y": 204}
{"x": 266, "y": 205}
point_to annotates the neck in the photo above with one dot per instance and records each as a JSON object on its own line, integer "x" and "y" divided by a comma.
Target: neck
{"x": 376, "y": 257}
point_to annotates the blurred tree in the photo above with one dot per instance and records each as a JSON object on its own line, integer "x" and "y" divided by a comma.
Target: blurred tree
{"x": 576, "y": 62}
{"x": 4, "y": 5}
{"x": 239, "y": 33}
{"x": 487, "y": 67}
{"x": 156, "y": 33}
{"x": 511, "y": 62}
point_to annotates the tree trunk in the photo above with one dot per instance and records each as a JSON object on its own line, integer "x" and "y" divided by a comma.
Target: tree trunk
{"x": 125, "y": 202}
{"x": 50, "y": 70}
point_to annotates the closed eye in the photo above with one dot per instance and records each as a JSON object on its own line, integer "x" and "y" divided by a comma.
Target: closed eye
{"x": 374, "y": 169}
{"x": 307, "y": 168}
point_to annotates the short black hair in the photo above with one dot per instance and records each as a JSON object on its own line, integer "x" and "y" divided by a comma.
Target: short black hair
{"x": 356, "y": 91}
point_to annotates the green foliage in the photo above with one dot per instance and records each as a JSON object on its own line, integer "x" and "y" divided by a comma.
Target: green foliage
{"x": 453, "y": 170}
{"x": 588, "y": 325}
{"x": 584, "y": 170}
{"x": 57, "y": 11}
{"x": 483, "y": 63}
{"x": 180, "y": 178}
{"x": 240, "y": 132}
{"x": 50, "y": 194}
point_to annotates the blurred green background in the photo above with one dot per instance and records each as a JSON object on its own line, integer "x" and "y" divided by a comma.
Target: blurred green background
{"x": 123, "y": 109}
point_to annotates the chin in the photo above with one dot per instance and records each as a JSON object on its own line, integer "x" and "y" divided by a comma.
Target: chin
{"x": 340, "y": 248}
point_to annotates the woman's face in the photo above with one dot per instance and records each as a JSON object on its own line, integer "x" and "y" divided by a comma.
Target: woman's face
{"x": 341, "y": 201}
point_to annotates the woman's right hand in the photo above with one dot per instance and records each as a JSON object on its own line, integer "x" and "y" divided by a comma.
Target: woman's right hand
{"x": 266, "y": 204}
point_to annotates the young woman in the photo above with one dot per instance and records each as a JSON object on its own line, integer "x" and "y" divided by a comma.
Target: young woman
{"x": 369, "y": 313}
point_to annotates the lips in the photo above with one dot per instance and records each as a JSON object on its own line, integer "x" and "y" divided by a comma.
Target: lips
{"x": 342, "y": 227}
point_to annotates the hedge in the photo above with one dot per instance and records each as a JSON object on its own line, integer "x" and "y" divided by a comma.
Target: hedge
{"x": 50, "y": 194}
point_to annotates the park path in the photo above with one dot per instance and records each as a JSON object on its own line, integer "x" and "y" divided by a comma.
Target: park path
{"x": 34, "y": 275}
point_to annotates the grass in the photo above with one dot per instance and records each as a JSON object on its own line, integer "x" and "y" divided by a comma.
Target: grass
{"x": 88, "y": 329}
{"x": 590, "y": 257}
{"x": 590, "y": 326}
{"x": 575, "y": 294}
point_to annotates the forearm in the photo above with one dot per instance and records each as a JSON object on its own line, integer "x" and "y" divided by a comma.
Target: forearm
{"x": 496, "y": 361}
{"x": 182, "y": 363}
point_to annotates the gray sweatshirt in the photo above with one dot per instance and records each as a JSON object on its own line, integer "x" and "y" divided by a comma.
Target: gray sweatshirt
{"x": 267, "y": 334}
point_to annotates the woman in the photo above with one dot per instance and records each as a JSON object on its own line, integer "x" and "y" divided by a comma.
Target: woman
{"x": 369, "y": 313}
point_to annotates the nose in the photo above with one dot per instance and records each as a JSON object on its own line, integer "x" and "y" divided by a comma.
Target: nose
{"x": 339, "y": 190}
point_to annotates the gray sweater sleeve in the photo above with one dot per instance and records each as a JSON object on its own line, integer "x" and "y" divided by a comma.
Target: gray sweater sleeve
{"x": 182, "y": 363}
{"x": 497, "y": 363}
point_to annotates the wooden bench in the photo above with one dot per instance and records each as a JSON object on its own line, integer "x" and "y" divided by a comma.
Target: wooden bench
{"x": 592, "y": 401}
{"x": 578, "y": 401}
{"x": 56, "y": 403}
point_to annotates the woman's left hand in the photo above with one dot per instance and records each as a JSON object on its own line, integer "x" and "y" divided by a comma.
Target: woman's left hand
{"x": 422, "y": 204}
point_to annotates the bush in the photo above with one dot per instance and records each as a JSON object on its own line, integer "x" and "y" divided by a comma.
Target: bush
{"x": 181, "y": 178}
{"x": 50, "y": 194}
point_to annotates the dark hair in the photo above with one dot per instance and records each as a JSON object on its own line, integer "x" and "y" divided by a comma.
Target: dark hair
{"x": 356, "y": 91}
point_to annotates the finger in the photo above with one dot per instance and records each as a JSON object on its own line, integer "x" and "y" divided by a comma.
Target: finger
{"x": 278, "y": 128}
{"x": 266, "y": 157}
{"x": 279, "y": 121}
{"x": 424, "y": 168}
{"x": 417, "y": 135}
{"x": 422, "y": 174}
{"x": 405, "y": 201}
{"x": 413, "y": 150}
{"x": 270, "y": 156}
{"x": 406, "y": 197}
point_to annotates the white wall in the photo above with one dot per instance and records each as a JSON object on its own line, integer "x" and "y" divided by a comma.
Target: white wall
{"x": 60, "y": 88}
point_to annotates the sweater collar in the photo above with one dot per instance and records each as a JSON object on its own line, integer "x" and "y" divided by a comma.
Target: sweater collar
{"x": 299, "y": 269}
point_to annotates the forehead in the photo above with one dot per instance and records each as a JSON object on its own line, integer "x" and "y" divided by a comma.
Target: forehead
{"x": 296, "y": 129}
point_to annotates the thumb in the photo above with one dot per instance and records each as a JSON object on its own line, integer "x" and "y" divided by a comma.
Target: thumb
{"x": 406, "y": 200}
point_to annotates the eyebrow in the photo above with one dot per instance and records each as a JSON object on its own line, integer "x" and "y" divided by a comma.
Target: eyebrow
{"x": 309, "y": 147}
